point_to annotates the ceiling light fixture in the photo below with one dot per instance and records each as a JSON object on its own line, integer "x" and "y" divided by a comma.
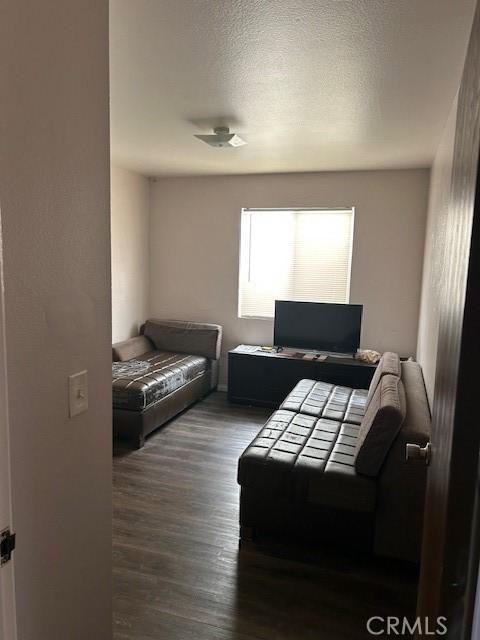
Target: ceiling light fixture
{"x": 222, "y": 137}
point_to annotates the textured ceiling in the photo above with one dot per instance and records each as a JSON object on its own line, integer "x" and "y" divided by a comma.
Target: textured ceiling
{"x": 312, "y": 85}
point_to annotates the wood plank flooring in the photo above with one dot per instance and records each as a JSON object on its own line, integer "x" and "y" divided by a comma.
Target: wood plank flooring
{"x": 178, "y": 573}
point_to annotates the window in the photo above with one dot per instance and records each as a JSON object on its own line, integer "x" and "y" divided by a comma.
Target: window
{"x": 295, "y": 254}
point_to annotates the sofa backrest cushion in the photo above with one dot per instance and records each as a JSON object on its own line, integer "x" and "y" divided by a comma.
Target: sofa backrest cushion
{"x": 380, "y": 425}
{"x": 389, "y": 364}
{"x": 132, "y": 348}
{"x": 193, "y": 338}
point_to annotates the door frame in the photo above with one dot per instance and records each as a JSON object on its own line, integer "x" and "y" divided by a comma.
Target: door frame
{"x": 449, "y": 564}
{"x": 8, "y": 626}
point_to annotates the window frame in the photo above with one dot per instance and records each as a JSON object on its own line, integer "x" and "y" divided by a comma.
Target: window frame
{"x": 345, "y": 209}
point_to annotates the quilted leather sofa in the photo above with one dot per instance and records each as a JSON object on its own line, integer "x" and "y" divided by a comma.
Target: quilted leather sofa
{"x": 330, "y": 465}
{"x": 157, "y": 374}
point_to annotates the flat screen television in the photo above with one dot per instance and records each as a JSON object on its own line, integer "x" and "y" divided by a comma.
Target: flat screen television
{"x": 318, "y": 326}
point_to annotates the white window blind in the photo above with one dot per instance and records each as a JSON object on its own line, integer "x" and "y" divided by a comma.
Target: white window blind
{"x": 299, "y": 254}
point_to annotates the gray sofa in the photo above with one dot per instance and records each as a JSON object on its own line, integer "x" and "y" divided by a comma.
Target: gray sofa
{"x": 157, "y": 374}
{"x": 330, "y": 465}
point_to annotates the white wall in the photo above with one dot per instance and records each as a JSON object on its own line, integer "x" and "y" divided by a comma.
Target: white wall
{"x": 54, "y": 198}
{"x": 130, "y": 252}
{"x": 434, "y": 254}
{"x": 195, "y": 247}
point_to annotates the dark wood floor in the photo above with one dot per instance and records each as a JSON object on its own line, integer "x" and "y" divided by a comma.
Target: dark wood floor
{"x": 178, "y": 573}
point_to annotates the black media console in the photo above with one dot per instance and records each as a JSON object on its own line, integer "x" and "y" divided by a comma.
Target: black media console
{"x": 264, "y": 378}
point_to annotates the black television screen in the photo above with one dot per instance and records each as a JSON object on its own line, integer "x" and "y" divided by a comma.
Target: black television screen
{"x": 319, "y": 326}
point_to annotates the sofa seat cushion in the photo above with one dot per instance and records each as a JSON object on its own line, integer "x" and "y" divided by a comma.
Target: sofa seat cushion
{"x": 144, "y": 380}
{"x": 307, "y": 458}
{"x": 324, "y": 400}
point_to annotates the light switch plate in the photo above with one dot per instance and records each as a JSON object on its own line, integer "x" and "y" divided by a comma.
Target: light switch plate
{"x": 78, "y": 393}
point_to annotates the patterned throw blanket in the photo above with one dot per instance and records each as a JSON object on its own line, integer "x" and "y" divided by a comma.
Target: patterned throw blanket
{"x": 130, "y": 369}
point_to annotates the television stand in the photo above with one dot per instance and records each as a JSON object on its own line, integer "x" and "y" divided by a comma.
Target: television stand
{"x": 264, "y": 378}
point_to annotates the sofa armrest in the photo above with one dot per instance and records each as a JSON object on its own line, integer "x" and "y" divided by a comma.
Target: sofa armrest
{"x": 131, "y": 348}
{"x": 195, "y": 338}
{"x": 401, "y": 484}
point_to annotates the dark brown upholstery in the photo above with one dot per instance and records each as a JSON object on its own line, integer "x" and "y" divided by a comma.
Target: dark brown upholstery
{"x": 325, "y": 400}
{"x": 285, "y": 518}
{"x": 389, "y": 364}
{"x": 135, "y": 425}
{"x": 380, "y": 425}
{"x": 195, "y": 338}
{"x": 401, "y": 484}
{"x": 299, "y": 474}
{"x": 150, "y": 377}
{"x": 308, "y": 458}
{"x": 132, "y": 348}
{"x": 150, "y": 385}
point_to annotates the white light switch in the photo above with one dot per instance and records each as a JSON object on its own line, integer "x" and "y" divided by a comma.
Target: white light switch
{"x": 78, "y": 393}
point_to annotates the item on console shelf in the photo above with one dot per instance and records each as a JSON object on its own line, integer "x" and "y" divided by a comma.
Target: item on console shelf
{"x": 315, "y": 356}
{"x": 368, "y": 355}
